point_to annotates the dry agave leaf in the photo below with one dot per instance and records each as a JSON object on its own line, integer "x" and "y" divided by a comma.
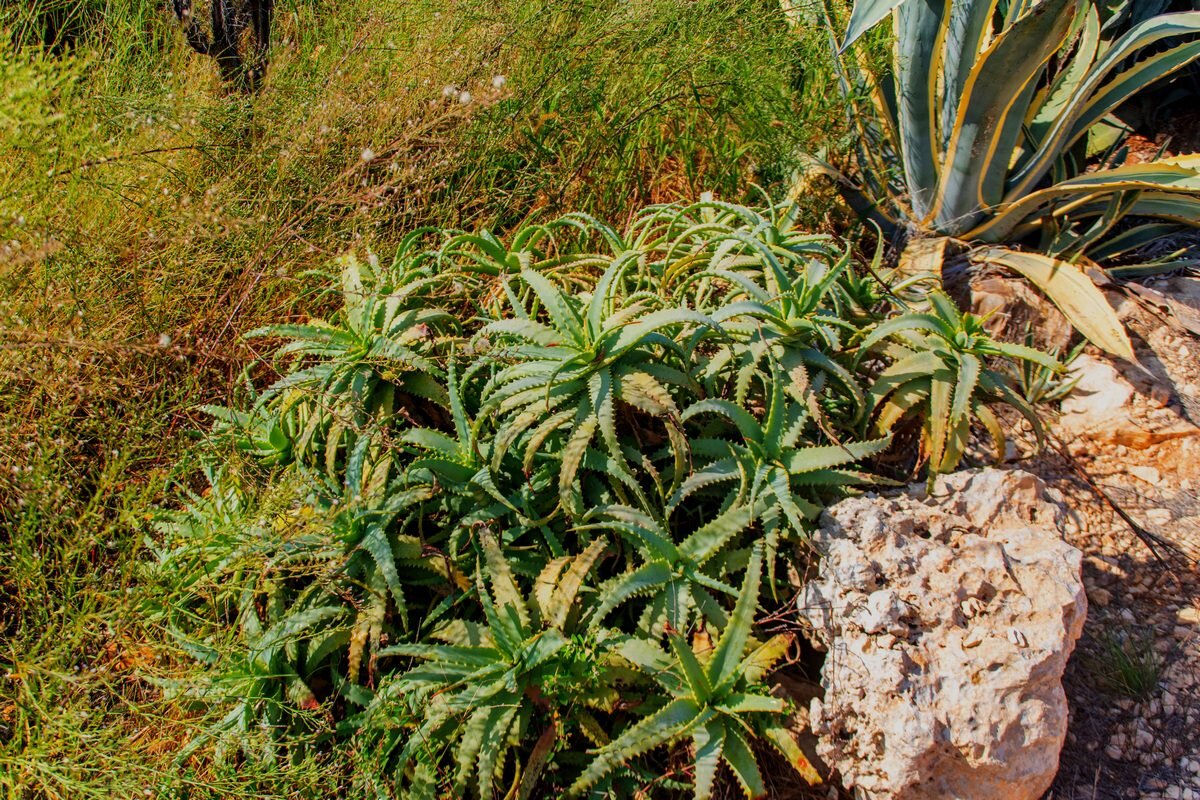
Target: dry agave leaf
{"x": 1069, "y": 288}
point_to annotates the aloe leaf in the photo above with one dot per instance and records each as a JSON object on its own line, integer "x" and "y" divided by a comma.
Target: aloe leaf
{"x": 746, "y": 424}
{"x": 964, "y": 388}
{"x": 906, "y": 322}
{"x": 673, "y": 721}
{"x": 708, "y": 743}
{"x": 562, "y": 599}
{"x": 572, "y": 456}
{"x": 740, "y": 758}
{"x": 727, "y": 654}
{"x": 820, "y": 457}
{"x": 376, "y": 543}
{"x": 783, "y": 740}
{"x": 920, "y": 364}
{"x": 994, "y": 429}
{"x": 640, "y": 582}
{"x": 505, "y": 590}
{"x": 562, "y": 312}
{"x": 713, "y": 535}
{"x": 691, "y": 668}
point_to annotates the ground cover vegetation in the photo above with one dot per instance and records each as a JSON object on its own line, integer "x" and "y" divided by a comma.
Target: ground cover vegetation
{"x": 150, "y": 217}
{"x": 510, "y": 500}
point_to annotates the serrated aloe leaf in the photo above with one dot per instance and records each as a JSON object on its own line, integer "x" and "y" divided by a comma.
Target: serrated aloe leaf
{"x": 727, "y": 654}
{"x": 672, "y": 722}
{"x": 740, "y": 758}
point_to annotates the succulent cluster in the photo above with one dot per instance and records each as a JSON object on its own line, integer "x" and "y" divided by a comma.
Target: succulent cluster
{"x": 508, "y": 517}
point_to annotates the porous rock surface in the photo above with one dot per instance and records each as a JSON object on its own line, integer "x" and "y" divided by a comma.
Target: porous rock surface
{"x": 948, "y": 618}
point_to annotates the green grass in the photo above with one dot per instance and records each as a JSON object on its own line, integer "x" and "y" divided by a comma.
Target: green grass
{"x": 147, "y": 219}
{"x": 1125, "y": 663}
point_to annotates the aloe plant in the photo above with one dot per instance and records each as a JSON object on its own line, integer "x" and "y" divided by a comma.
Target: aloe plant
{"x": 671, "y": 577}
{"x": 939, "y": 372}
{"x": 981, "y": 133}
{"x": 570, "y": 371}
{"x": 776, "y": 471}
{"x": 714, "y": 697}
{"x": 488, "y": 549}
{"x": 355, "y": 371}
{"x": 468, "y": 699}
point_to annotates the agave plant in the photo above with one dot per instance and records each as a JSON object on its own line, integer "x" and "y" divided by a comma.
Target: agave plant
{"x": 939, "y": 373}
{"x": 715, "y": 697}
{"x": 981, "y": 133}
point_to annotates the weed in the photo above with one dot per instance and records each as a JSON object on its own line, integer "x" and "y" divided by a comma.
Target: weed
{"x": 1125, "y": 663}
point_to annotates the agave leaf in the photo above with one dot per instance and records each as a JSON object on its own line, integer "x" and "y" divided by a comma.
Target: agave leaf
{"x": 1157, "y": 176}
{"x": 991, "y": 114}
{"x": 866, "y": 15}
{"x": 924, "y": 256}
{"x": 1067, "y": 83}
{"x": 1065, "y": 131}
{"x": 921, "y": 27}
{"x": 966, "y": 29}
{"x": 1072, "y": 291}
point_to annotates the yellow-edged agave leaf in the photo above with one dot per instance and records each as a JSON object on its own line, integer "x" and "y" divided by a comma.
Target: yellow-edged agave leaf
{"x": 1069, "y": 288}
{"x": 866, "y": 15}
{"x": 1087, "y": 103}
{"x": 920, "y": 33}
{"x": 990, "y": 115}
{"x": 1181, "y": 176}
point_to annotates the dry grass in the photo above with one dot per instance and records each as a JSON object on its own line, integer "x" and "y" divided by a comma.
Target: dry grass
{"x": 147, "y": 219}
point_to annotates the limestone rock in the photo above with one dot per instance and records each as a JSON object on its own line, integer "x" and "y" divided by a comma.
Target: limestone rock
{"x": 1105, "y": 407}
{"x": 948, "y": 620}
